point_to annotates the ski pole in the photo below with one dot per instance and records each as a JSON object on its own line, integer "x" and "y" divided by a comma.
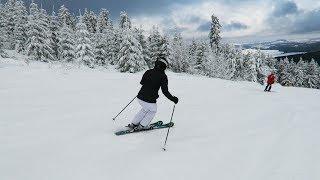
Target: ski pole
{"x": 165, "y": 142}
{"x": 124, "y": 108}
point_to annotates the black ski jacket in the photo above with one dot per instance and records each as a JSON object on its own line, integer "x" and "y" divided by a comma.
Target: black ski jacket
{"x": 151, "y": 82}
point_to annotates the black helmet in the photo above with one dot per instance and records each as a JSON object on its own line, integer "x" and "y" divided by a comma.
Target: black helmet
{"x": 164, "y": 60}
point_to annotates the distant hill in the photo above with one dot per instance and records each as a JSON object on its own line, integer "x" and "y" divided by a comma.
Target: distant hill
{"x": 305, "y": 56}
{"x": 307, "y": 49}
{"x": 312, "y": 45}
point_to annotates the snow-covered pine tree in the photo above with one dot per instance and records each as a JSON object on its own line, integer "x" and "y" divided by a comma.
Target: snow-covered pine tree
{"x": 249, "y": 68}
{"x": 300, "y": 73}
{"x": 284, "y": 75}
{"x": 37, "y": 43}
{"x": 44, "y": 21}
{"x": 142, "y": 40}
{"x": 117, "y": 39}
{"x": 199, "y": 55}
{"x": 261, "y": 68}
{"x": 154, "y": 46}
{"x": 291, "y": 71}
{"x": 54, "y": 40}
{"x": 179, "y": 54}
{"x": 125, "y": 21}
{"x": 130, "y": 54}
{"x": 20, "y": 31}
{"x": 165, "y": 48}
{"x": 93, "y": 22}
{"x": 66, "y": 44}
{"x": 90, "y": 20}
{"x": 192, "y": 50}
{"x": 214, "y": 34}
{"x": 2, "y": 29}
{"x": 66, "y": 18}
{"x": 10, "y": 14}
{"x": 100, "y": 54}
{"x": 312, "y": 75}
{"x": 84, "y": 50}
{"x": 111, "y": 44}
{"x": 103, "y": 20}
{"x": 270, "y": 62}
{"x": 86, "y": 18}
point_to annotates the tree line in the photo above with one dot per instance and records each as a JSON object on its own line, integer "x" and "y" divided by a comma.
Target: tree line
{"x": 93, "y": 40}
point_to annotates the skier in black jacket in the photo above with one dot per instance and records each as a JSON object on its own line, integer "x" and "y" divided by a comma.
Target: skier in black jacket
{"x": 151, "y": 82}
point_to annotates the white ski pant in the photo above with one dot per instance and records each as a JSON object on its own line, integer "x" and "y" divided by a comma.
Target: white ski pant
{"x": 146, "y": 114}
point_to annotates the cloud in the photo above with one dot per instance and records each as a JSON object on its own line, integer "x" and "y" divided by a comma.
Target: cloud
{"x": 204, "y": 27}
{"x": 234, "y": 26}
{"x": 240, "y": 18}
{"x": 287, "y": 19}
{"x": 307, "y": 22}
{"x": 284, "y": 8}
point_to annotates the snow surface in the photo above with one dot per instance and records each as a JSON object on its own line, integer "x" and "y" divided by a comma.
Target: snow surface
{"x": 56, "y": 124}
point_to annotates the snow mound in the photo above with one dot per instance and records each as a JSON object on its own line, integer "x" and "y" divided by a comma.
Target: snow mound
{"x": 57, "y": 125}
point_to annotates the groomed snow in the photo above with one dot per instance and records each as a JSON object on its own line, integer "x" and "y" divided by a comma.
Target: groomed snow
{"x": 57, "y": 124}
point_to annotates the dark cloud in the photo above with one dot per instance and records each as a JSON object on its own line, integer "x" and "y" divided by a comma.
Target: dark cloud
{"x": 288, "y": 19}
{"x": 284, "y": 8}
{"x": 233, "y": 26}
{"x": 307, "y": 22}
{"x": 133, "y": 7}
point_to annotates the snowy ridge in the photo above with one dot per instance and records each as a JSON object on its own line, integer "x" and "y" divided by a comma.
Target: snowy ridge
{"x": 56, "y": 124}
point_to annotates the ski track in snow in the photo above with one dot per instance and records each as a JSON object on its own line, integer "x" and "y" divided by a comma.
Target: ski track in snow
{"x": 57, "y": 124}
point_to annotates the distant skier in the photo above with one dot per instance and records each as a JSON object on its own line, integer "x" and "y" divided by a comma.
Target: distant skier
{"x": 151, "y": 82}
{"x": 270, "y": 81}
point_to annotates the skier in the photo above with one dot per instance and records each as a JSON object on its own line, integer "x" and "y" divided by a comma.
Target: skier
{"x": 270, "y": 81}
{"x": 151, "y": 82}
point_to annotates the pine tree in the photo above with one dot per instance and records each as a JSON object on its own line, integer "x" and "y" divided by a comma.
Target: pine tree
{"x": 179, "y": 54}
{"x": 66, "y": 44}
{"x": 312, "y": 75}
{"x": 111, "y": 44}
{"x": 44, "y": 21}
{"x": 103, "y": 20}
{"x": 214, "y": 34}
{"x": 142, "y": 40}
{"x": 130, "y": 54}
{"x": 10, "y": 14}
{"x": 165, "y": 49}
{"x": 299, "y": 73}
{"x": 154, "y": 46}
{"x": 37, "y": 43}
{"x": 2, "y": 29}
{"x": 93, "y": 22}
{"x": 200, "y": 55}
{"x": 66, "y": 18}
{"x": 284, "y": 75}
{"x": 20, "y": 31}
{"x": 54, "y": 40}
{"x": 100, "y": 49}
{"x": 249, "y": 68}
{"x": 192, "y": 51}
{"x": 84, "y": 50}
{"x": 117, "y": 40}
{"x": 125, "y": 22}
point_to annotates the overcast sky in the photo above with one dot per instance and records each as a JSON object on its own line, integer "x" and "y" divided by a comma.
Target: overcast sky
{"x": 242, "y": 20}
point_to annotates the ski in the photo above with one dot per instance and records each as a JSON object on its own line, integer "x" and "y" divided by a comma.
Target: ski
{"x": 153, "y": 126}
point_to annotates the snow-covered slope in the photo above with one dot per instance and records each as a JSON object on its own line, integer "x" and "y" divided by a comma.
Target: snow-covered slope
{"x": 57, "y": 125}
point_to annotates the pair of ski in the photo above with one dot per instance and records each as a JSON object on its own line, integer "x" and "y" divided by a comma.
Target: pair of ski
{"x": 153, "y": 126}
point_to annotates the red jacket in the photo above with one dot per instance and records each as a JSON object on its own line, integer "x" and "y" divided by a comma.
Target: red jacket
{"x": 271, "y": 79}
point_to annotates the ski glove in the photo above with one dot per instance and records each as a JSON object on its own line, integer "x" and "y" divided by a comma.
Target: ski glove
{"x": 175, "y": 100}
